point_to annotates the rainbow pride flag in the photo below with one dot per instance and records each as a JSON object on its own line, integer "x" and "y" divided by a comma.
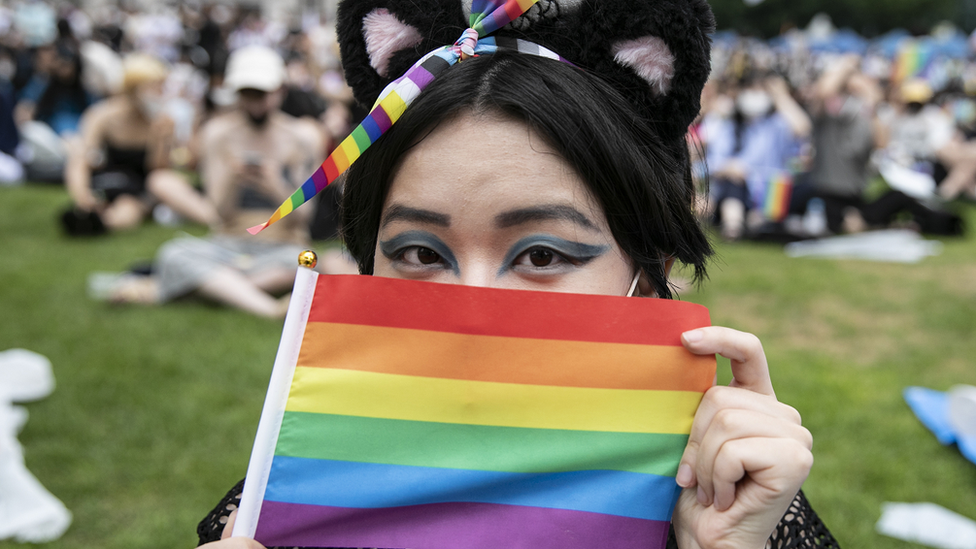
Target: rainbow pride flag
{"x": 779, "y": 190}
{"x": 436, "y": 416}
{"x": 911, "y": 61}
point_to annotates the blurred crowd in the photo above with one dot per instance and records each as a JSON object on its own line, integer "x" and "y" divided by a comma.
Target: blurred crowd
{"x": 206, "y": 113}
{"x": 212, "y": 113}
{"x": 163, "y": 70}
{"x": 823, "y": 132}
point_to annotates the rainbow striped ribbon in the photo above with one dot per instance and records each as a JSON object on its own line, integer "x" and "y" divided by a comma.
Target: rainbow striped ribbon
{"x": 487, "y": 16}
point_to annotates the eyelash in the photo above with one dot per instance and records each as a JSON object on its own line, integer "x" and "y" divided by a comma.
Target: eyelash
{"x": 519, "y": 258}
{"x": 559, "y": 257}
{"x": 398, "y": 256}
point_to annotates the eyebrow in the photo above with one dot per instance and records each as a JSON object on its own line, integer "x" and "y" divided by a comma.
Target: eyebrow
{"x": 543, "y": 213}
{"x": 399, "y": 212}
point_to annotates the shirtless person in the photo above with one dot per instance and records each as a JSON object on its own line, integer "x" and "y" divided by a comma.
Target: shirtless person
{"x": 119, "y": 168}
{"x": 252, "y": 158}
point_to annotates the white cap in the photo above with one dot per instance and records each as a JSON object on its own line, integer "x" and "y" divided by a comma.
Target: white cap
{"x": 254, "y": 67}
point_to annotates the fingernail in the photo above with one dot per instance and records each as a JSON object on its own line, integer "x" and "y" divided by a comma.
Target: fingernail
{"x": 683, "y": 478}
{"x": 702, "y": 498}
{"x": 693, "y": 336}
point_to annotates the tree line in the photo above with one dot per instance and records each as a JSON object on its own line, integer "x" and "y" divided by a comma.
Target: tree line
{"x": 868, "y": 17}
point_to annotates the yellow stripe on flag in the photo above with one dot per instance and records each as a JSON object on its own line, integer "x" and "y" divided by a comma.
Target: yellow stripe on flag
{"x": 369, "y": 394}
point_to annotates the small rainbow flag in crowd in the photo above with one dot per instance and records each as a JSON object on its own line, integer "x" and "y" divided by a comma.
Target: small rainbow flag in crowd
{"x": 779, "y": 189}
{"x": 911, "y": 61}
{"x": 438, "y": 416}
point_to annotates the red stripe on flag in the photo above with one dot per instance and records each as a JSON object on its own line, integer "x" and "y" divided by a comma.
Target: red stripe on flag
{"x": 487, "y": 311}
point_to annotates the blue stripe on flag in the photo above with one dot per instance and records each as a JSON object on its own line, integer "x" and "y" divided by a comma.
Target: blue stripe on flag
{"x": 373, "y": 486}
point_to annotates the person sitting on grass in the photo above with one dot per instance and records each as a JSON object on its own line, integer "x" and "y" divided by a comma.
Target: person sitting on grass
{"x": 49, "y": 112}
{"x": 757, "y": 142}
{"x": 119, "y": 169}
{"x": 844, "y": 137}
{"x": 251, "y": 160}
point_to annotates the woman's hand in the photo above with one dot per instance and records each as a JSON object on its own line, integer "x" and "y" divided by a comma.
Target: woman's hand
{"x": 227, "y": 542}
{"x": 747, "y": 455}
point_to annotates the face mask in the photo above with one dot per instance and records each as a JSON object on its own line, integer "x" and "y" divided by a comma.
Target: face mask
{"x": 964, "y": 112}
{"x": 150, "y": 105}
{"x": 844, "y": 106}
{"x": 754, "y": 103}
{"x": 852, "y": 107}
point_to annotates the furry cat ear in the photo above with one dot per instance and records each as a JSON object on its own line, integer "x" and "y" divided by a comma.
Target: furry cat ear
{"x": 385, "y": 35}
{"x": 380, "y": 39}
{"x": 650, "y": 58}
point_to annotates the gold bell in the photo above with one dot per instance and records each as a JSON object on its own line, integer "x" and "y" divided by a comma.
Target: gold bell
{"x": 308, "y": 259}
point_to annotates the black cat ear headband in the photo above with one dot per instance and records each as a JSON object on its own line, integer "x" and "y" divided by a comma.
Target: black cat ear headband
{"x": 655, "y": 53}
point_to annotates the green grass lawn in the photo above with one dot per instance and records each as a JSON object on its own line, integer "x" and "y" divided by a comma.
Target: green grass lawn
{"x": 155, "y": 408}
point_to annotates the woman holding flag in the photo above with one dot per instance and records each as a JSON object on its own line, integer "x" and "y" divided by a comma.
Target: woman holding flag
{"x": 546, "y": 152}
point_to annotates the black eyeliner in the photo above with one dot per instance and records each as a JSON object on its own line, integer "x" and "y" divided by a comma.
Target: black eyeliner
{"x": 422, "y": 239}
{"x": 575, "y": 252}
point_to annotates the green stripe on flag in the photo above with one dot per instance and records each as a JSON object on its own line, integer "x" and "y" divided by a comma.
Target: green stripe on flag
{"x": 475, "y": 447}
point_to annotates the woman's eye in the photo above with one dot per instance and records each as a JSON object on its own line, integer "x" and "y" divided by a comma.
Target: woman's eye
{"x": 539, "y": 257}
{"x": 427, "y": 256}
{"x": 418, "y": 255}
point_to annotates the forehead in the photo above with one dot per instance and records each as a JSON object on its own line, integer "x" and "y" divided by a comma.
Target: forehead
{"x": 477, "y": 164}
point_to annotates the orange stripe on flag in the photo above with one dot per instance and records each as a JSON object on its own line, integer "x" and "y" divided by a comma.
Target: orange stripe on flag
{"x": 503, "y": 359}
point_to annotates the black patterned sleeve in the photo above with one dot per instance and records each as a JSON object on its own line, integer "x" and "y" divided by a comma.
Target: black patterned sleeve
{"x": 801, "y": 527}
{"x": 211, "y": 527}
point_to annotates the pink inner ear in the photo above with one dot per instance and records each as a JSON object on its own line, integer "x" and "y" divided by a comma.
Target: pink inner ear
{"x": 650, "y": 57}
{"x": 386, "y": 35}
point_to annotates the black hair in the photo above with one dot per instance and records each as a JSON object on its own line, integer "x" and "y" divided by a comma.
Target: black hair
{"x": 643, "y": 184}
{"x": 58, "y": 91}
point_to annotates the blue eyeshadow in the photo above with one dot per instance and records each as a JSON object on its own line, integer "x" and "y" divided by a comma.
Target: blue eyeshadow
{"x": 423, "y": 239}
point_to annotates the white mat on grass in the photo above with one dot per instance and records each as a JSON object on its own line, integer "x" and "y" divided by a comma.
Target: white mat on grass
{"x": 28, "y": 512}
{"x": 928, "y": 524}
{"x": 894, "y": 245}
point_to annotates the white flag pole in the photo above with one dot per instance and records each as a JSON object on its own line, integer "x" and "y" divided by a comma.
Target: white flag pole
{"x": 274, "y": 404}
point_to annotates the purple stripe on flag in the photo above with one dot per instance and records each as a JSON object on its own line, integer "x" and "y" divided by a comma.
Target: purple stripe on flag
{"x": 453, "y": 525}
{"x": 320, "y": 179}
